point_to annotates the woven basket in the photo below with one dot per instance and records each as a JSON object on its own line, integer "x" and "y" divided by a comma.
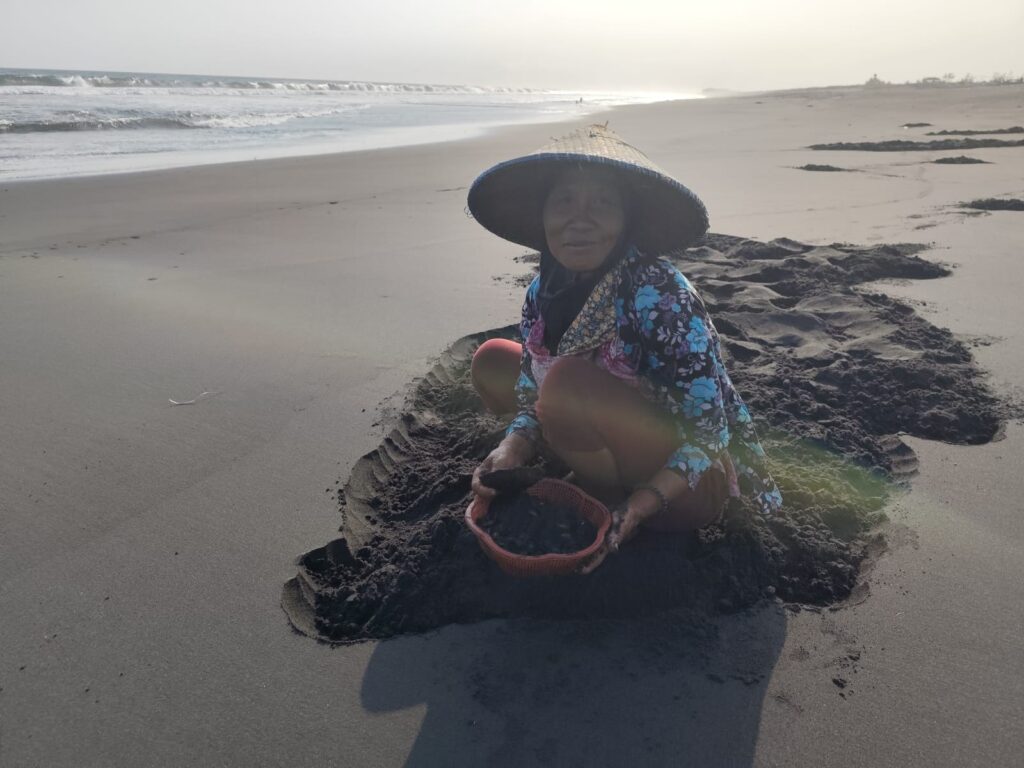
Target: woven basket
{"x": 554, "y": 564}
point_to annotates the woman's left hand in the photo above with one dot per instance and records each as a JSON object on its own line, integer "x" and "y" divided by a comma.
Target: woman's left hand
{"x": 626, "y": 521}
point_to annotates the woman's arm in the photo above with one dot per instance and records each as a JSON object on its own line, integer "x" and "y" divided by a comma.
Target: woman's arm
{"x": 678, "y": 352}
{"x": 525, "y": 422}
{"x": 665, "y": 325}
{"x": 520, "y": 443}
{"x": 679, "y": 356}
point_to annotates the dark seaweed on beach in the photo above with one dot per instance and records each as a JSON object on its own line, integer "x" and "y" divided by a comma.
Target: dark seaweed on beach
{"x": 993, "y": 132}
{"x": 827, "y": 168}
{"x": 960, "y": 160}
{"x": 834, "y": 375}
{"x": 897, "y": 145}
{"x": 995, "y": 204}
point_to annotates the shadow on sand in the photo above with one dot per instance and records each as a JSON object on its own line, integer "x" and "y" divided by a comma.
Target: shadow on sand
{"x": 673, "y": 689}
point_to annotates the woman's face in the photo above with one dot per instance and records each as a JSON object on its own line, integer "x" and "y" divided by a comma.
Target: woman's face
{"x": 584, "y": 215}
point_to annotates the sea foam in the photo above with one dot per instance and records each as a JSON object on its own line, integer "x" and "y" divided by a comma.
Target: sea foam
{"x": 58, "y": 123}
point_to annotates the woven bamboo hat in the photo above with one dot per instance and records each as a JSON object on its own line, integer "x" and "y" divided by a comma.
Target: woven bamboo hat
{"x": 507, "y": 199}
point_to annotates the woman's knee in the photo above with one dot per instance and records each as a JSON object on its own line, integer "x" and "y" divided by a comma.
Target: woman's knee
{"x": 496, "y": 358}
{"x": 494, "y": 370}
{"x": 563, "y": 405}
{"x": 497, "y": 351}
{"x": 570, "y": 378}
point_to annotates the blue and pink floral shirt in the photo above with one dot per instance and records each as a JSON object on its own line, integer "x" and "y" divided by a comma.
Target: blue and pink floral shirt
{"x": 645, "y": 323}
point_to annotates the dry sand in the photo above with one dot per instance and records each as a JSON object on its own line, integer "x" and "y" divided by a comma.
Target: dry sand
{"x": 143, "y": 546}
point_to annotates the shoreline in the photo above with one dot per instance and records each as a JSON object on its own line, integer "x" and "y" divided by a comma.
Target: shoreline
{"x": 345, "y": 140}
{"x": 465, "y": 133}
{"x": 309, "y": 291}
{"x": 448, "y": 134}
{"x": 470, "y": 132}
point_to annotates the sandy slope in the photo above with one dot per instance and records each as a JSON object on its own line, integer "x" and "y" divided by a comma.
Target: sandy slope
{"x": 143, "y": 546}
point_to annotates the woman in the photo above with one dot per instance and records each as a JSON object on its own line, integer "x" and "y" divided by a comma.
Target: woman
{"x": 620, "y": 372}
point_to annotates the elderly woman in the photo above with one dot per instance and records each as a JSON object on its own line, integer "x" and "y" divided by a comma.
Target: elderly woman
{"x": 620, "y": 372}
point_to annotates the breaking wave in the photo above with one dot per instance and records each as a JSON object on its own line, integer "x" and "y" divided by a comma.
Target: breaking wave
{"x": 114, "y": 80}
{"x": 59, "y": 123}
{"x": 84, "y": 121}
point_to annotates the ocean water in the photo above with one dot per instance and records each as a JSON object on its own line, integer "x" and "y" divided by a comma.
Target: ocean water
{"x": 73, "y": 123}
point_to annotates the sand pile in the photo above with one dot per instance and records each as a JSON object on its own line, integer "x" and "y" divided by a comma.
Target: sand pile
{"x": 523, "y": 525}
{"x": 833, "y": 374}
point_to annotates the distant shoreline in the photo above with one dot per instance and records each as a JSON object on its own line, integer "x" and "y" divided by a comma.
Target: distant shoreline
{"x": 412, "y": 136}
{"x": 65, "y": 123}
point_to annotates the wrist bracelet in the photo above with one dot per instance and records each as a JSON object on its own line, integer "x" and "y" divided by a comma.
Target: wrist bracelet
{"x": 662, "y": 500}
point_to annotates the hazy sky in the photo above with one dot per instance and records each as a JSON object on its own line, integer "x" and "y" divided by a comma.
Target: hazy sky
{"x": 657, "y": 45}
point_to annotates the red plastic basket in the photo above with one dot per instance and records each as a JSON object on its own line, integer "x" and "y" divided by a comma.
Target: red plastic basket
{"x": 553, "y": 564}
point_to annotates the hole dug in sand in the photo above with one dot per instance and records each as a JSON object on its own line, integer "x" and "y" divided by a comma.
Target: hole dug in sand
{"x": 833, "y": 376}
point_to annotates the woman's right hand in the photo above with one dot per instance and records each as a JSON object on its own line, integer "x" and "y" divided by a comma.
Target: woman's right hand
{"x": 514, "y": 451}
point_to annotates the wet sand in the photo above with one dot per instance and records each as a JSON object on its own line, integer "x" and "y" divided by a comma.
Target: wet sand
{"x": 143, "y": 545}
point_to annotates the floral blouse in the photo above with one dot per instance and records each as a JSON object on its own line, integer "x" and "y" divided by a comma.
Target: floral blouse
{"x": 645, "y": 323}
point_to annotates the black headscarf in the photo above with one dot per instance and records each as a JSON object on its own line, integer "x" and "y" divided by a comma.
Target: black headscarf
{"x": 562, "y": 292}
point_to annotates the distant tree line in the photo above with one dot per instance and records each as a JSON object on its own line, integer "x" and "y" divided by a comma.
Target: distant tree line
{"x": 950, "y": 78}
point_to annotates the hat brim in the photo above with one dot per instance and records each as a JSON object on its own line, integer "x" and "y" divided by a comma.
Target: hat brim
{"x": 507, "y": 200}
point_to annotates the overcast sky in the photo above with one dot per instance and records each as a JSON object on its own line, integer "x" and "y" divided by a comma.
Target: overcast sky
{"x": 636, "y": 45}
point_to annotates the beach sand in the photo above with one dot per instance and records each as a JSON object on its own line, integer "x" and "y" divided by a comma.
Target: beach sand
{"x": 143, "y": 545}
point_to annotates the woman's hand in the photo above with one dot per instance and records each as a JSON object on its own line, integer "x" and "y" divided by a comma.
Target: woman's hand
{"x": 514, "y": 451}
{"x": 626, "y": 520}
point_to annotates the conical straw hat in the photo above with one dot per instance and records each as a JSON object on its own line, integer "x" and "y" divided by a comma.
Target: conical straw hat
{"x": 507, "y": 199}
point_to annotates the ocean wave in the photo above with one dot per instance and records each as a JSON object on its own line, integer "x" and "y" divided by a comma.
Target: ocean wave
{"x": 84, "y": 121}
{"x": 114, "y": 80}
{"x": 71, "y": 80}
{"x": 259, "y": 120}
{"x": 91, "y": 124}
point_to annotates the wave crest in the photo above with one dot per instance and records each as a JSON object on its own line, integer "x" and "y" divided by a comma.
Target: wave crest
{"x": 114, "y": 80}
{"x": 84, "y": 121}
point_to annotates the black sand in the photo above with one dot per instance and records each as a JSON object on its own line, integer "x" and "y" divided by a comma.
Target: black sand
{"x": 511, "y": 480}
{"x": 523, "y": 525}
{"x": 833, "y": 375}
